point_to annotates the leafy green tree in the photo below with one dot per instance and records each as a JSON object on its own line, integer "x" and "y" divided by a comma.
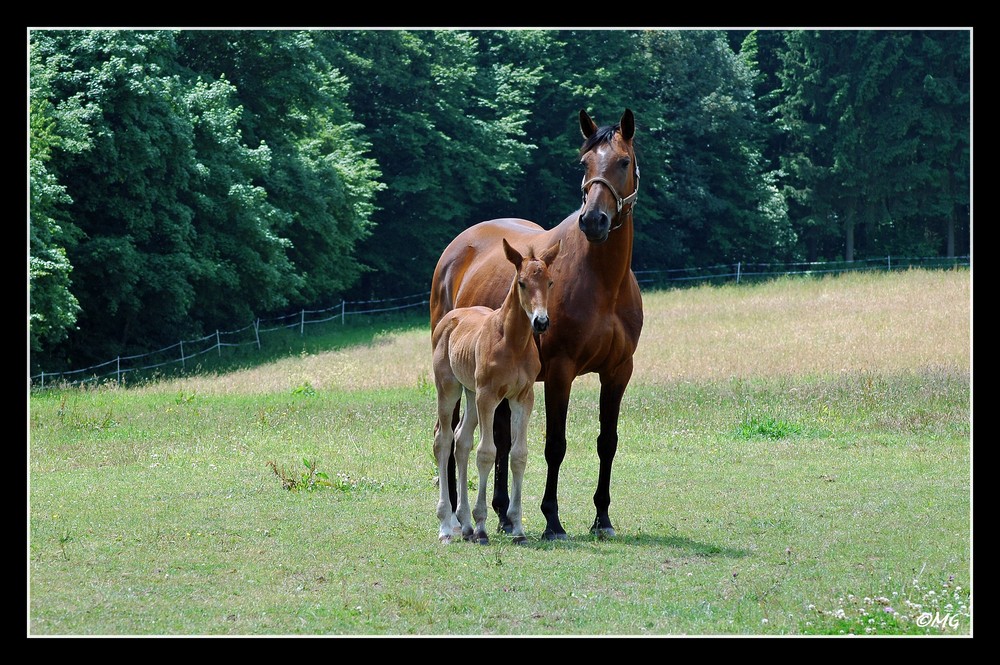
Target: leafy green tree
{"x": 709, "y": 183}
{"x": 445, "y": 121}
{"x": 133, "y": 254}
{"x": 139, "y": 186}
{"x": 53, "y": 307}
{"x": 320, "y": 180}
{"x": 194, "y": 203}
{"x": 877, "y": 129}
{"x": 937, "y": 201}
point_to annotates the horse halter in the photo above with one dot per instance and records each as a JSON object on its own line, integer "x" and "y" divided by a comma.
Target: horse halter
{"x": 628, "y": 200}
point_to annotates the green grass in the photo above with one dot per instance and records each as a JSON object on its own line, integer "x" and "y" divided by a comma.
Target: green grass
{"x": 797, "y": 503}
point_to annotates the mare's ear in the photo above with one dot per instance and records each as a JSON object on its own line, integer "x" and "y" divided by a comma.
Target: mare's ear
{"x": 587, "y": 126}
{"x": 628, "y": 125}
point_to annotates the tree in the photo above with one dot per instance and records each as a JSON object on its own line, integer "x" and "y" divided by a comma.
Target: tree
{"x": 709, "y": 183}
{"x": 53, "y": 308}
{"x": 193, "y": 204}
{"x": 320, "y": 179}
{"x": 876, "y": 123}
{"x": 446, "y": 125}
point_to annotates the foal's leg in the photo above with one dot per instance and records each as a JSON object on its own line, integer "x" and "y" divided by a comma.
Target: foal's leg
{"x": 449, "y": 394}
{"x": 520, "y": 412}
{"x": 463, "y": 447}
{"x": 485, "y": 457}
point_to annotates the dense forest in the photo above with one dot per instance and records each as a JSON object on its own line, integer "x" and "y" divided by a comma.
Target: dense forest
{"x": 187, "y": 180}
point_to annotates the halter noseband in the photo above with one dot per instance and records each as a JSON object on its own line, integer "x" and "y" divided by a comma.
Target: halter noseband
{"x": 628, "y": 200}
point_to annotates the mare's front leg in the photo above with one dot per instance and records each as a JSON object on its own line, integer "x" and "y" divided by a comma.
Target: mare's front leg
{"x": 558, "y": 381}
{"x": 612, "y": 390}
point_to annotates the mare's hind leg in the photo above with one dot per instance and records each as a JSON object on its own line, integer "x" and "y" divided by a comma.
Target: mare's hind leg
{"x": 501, "y": 439}
{"x": 520, "y": 413}
{"x": 448, "y": 395}
{"x": 463, "y": 447}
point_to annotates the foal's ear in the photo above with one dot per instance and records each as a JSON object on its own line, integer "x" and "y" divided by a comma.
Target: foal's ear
{"x": 587, "y": 126}
{"x": 512, "y": 254}
{"x": 550, "y": 254}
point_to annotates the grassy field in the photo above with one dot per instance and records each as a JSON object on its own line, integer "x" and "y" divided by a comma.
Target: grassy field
{"x": 794, "y": 459}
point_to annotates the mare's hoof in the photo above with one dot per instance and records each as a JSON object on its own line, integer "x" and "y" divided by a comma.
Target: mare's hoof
{"x": 520, "y": 540}
{"x": 602, "y": 532}
{"x": 445, "y": 540}
{"x": 549, "y": 534}
{"x": 505, "y": 527}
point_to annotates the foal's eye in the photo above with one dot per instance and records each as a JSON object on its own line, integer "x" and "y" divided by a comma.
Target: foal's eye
{"x": 551, "y": 283}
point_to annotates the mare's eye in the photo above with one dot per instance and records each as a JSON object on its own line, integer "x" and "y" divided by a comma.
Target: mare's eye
{"x": 521, "y": 284}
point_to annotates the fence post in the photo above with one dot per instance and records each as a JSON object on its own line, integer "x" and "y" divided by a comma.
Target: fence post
{"x": 302, "y": 324}
{"x": 43, "y": 379}
{"x": 888, "y": 261}
{"x": 343, "y": 311}
{"x": 183, "y": 364}
{"x": 256, "y": 331}
{"x": 118, "y": 369}
{"x": 218, "y": 344}
{"x": 739, "y": 267}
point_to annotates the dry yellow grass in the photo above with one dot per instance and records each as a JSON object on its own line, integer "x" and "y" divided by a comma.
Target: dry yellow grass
{"x": 857, "y": 322}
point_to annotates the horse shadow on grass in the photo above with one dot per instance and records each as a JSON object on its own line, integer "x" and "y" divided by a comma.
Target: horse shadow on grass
{"x": 643, "y": 539}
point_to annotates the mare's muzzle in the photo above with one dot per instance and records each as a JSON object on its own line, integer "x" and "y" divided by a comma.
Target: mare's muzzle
{"x": 596, "y": 225}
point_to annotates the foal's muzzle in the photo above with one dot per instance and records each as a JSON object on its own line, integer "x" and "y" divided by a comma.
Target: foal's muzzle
{"x": 540, "y": 323}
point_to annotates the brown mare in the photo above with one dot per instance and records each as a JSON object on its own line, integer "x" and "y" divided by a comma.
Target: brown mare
{"x": 595, "y": 307}
{"x": 491, "y": 356}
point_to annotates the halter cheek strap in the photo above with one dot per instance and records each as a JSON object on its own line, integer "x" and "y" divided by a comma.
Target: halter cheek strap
{"x": 628, "y": 200}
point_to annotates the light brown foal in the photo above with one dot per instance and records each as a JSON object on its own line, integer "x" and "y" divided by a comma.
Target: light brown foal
{"x": 490, "y": 355}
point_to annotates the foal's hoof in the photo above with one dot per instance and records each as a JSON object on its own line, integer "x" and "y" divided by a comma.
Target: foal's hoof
{"x": 445, "y": 540}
